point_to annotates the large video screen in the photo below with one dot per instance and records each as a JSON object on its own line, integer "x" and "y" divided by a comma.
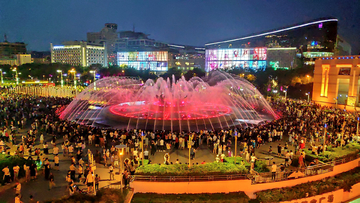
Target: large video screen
{"x": 251, "y": 58}
{"x": 143, "y": 56}
{"x": 145, "y": 60}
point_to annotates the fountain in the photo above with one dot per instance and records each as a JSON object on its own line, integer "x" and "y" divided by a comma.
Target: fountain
{"x": 219, "y": 101}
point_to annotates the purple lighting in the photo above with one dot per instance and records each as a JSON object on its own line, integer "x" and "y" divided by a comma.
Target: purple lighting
{"x": 320, "y": 25}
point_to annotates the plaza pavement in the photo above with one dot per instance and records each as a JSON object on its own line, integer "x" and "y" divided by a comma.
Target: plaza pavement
{"x": 39, "y": 187}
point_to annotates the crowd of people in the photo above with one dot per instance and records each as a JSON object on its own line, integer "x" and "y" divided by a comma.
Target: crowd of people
{"x": 301, "y": 123}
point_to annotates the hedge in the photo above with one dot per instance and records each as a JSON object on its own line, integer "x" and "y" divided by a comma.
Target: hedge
{"x": 238, "y": 197}
{"x": 213, "y": 168}
{"x": 333, "y": 153}
{"x": 341, "y": 181}
{"x": 11, "y": 161}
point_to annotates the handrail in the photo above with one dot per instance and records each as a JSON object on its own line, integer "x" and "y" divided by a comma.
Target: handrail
{"x": 189, "y": 178}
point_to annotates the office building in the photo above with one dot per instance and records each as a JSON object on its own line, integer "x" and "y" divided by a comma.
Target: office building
{"x": 336, "y": 81}
{"x": 9, "y": 49}
{"x": 280, "y": 48}
{"x": 78, "y": 53}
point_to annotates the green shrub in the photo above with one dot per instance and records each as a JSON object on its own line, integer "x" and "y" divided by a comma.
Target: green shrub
{"x": 261, "y": 166}
{"x": 212, "y": 168}
{"x": 11, "y": 161}
{"x": 341, "y": 181}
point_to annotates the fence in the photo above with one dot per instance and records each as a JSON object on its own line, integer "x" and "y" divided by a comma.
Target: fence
{"x": 44, "y": 91}
{"x": 189, "y": 178}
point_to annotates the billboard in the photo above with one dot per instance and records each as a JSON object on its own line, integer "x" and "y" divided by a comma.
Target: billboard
{"x": 144, "y": 60}
{"x": 253, "y": 58}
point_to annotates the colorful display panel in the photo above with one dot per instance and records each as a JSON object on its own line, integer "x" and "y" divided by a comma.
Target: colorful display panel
{"x": 248, "y": 58}
{"x": 145, "y": 60}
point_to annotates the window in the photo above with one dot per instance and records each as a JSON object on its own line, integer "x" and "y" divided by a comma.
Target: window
{"x": 344, "y": 71}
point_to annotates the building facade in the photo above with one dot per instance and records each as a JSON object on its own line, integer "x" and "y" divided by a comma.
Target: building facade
{"x": 336, "y": 80}
{"x": 78, "y": 53}
{"x": 9, "y": 49}
{"x": 308, "y": 41}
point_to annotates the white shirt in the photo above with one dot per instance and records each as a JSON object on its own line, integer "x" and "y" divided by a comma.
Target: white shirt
{"x": 56, "y": 150}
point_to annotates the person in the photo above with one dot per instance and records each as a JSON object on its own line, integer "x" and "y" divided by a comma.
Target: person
{"x": 301, "y": 161}
{"x": 33, "y": 171}
{"x": 253, "y": 159}
{"x": 72, "y": 171}
{"x": 177, "y": 161}
{"x": 45, "y": 148}
{"x": 17, "y": 199}
{"x": 16, "y": 169}
{"x": 18, "y": 189}
{"x": 146, "y": 154}
{"x": 47, "y": 171}
{"x": 55, "y": 150}
{"x": 97, "y": 180}
{"x": 32, "y": 199}
{"x": 80, "y": 171}
{"x": 126, "y": 178}
{"x": 51, "y": 181}
{"x": 273, "y": 171}
{"x": 27, "y": 172}
{"x": 7, "y": 176}
{"x": 71, "y": 188}
{"x": 89, "y": 181}
{"x": 57, "y": 162}
{"x": 279, "y": 149}
{"x": 111, "y": 168}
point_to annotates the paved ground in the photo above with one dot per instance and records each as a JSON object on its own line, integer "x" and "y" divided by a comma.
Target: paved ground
{"x": 39, "y": 187}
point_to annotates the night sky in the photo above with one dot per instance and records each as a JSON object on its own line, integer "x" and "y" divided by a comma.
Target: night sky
{"x": 189, "y": 22}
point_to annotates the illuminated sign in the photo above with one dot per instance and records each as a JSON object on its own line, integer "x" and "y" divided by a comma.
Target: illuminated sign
{"x": 275, "y": 65}
{"x": 145, "y": 60}
{"x": 247, "y": 58}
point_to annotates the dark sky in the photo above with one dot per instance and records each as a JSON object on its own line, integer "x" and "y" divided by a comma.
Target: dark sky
{"x": 189, "y": 22}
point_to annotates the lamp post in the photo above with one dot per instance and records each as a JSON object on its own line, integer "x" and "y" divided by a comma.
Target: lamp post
{"x": 324, "y": 137}
{"x": 189, "y": 146}
{"x": 94, "y": 72}
{"x": 236, "y": 135}
{"x": 120, "y": 149}
{"x": 357, "y": 127}
{"x": 142, "y": 147}
{"x": 308, "y": 95}
{"x": 285, "y": 91}
{"x": 74, "y": 71}
{"x": 2, "y": 79}
{"x": 62, "y": 81}
{"x": 16, "y": 76}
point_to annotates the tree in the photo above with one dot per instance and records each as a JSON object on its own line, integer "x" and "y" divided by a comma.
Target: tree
{"x": 195, "y": 72}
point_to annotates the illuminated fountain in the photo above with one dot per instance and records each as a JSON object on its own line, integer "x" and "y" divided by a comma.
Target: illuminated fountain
{"x": 219, "y": 101}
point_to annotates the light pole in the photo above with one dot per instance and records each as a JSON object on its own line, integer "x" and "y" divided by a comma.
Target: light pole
{"x": 236, "y": 134}
{"x": 189, "y": 146}
{"x": 74, "y": 71}
{"x": 336, "y": 101}
{"x": 62, "y": 81}
{"x": 120, "y": 149}
{"x": 285, "y": 91}
{"x": 324, "y": 137}
{"x": 2, "y": 79}
{"x": 16, "y": 76}
{"x": 94, "y": 72}
{"x": 142, "y": 147}
{"x": 357, "y": 127}
{"x": 308, "y": 95}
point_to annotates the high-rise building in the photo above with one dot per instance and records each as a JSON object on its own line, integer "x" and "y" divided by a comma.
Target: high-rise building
{"x": 78, "y": 53}
{"x": 279, "y": 48}
{"x": 9, "y": 49}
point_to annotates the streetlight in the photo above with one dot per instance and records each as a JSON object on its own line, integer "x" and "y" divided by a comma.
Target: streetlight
{"x": 62, "y": 81}
{"x": 189, "y": 146}
{"x": 2, "y": 79}
{"x": 285, "y": 91}
{"x": 308, "y": 95}
{"x": 94, "y": 72}
{"x": 74, "y": 71}
{"x": 120, "y": 149}
{"x": 236, "y": 135}
{"x": 16, "y": 76}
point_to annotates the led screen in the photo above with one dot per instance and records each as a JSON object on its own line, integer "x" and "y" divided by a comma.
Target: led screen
{"x": 145, "y": 60}
{"x": 251, "y": 58}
